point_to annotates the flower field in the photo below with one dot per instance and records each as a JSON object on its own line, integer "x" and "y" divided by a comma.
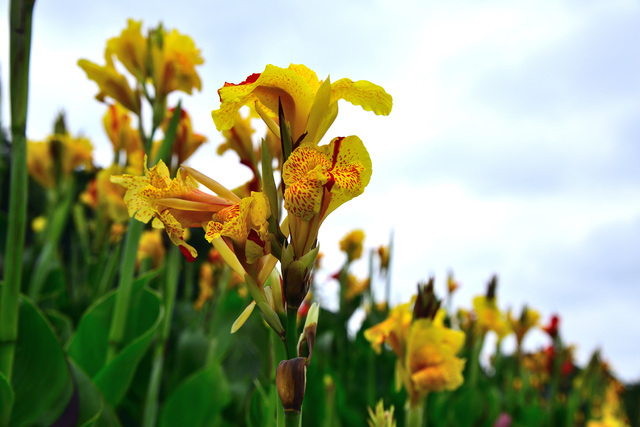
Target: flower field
{"x": 148, "y": 293}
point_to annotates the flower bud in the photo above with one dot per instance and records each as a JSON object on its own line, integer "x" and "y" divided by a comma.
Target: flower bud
{"x": 291, "y": 379}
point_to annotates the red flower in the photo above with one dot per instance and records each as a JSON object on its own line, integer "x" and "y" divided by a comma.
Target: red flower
{"x": 552, "y": 327}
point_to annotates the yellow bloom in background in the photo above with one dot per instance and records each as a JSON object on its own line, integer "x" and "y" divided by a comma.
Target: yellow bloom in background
{"x": 174, "y": 204}
{"x": 38, "y": 224}
{"x": 384, "y": 252}
{"x": 245, "y": 225}
{"x": 205, "y": 285}
{"x": 393, "y": 330}
{"x": 490, "y": 318}
{"x": 68, "y": 152}
{"x": 111, "y": 83}
{"x": 355, "y": 286}
{"x": 117, "y": 125}
{"x": 351, "y": 244}
{"x": 186, "y": 141}
{"x": 306, "y": 107}
{"x": 130, "y": 47}
{"x": 452, "y": 285}
{"x": 431, "y": 361}
{"x": 318, "y": 179}
{"x": 151, "y": 246}
{"x": 174, "y": 58}
{"x": 520, "y": 326}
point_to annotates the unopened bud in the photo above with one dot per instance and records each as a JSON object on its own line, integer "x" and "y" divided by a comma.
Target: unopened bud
{"x": 296, "y": 282}
{"x": 291, "y": 380}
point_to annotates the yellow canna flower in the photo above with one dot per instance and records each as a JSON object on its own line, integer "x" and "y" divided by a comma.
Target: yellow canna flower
{"x": 186, "y": 141}
{"x": 174, "y": 58}
{"x": 62, "y": 149}
{"x": 205, "y": 284}
{"x": 111, "y": 83}
{"x": 151, "y": 246}
{"x": 130, "y": 47}
{"x": 393, "y": 330}
{"x": 117, "y": 125}
{"x": 431, "y": 360}
{"x": 355, "y": 286}
{"x": 351, "y": 244}
{"x": 452, "y": 285}
{"x": 245, "y": 225}
{"x": 489, "y": 317}
{"x": 318, "y": 179}
{"x": 520, "y": 326}
{"x": 309, "y": 104}
{"x": 174, "y": 205}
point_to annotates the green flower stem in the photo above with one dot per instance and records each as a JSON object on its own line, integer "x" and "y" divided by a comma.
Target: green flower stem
{"x": 474, "y": 368}
{"x": 292, "y": 419}
{"x": 109, "y": 271}
{"x": 279, "y": 354}
{"x": 169, "y": 296}
{"x": 127, "y": 265}
{"x": 416, "y": 414}
{"x": 292, "y": 333}
{"x": 54, "y": 231}
{"x": 20, "y": 17}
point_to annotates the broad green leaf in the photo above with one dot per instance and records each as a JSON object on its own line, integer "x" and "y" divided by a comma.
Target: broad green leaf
{"x": 94, "y": 411}
{"x": 6, "y": 400}
{"x": 62, "y": 325}
{"x": 198, "y": 401}
{"x": 40, "y": 370}
{"x": 89, "y": 345}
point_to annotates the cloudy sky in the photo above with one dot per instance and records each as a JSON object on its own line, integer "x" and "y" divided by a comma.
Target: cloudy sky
{"x": 513, "y": 146}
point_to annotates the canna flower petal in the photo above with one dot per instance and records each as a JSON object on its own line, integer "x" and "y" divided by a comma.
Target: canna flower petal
{"x": 489, "y": 316}
{"x": 130, "y": 47}
{"x": 174, "y": 204}
{"x": 174, "y": 64}
{"x": 308, "y": 105}
{"x": 367, "y": 95}
{"x": 394, "y": 330}
{"x": 111, "y": 83}
{"x": 319, "y": 179}
{"x": 245, "y": 223}
{"x": 351, "y": 244}
{"x": 431, "y": 357}
{"x": 117, "y": 125}
{"x": 521, "y": 326}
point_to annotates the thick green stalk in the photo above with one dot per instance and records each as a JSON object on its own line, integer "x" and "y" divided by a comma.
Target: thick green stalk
{"x": 123, "y": 295}
{"x": 416, "y": 414}
{"x": 20, "y": 16}
{"x": 169, "y": 296}
{"x": 292, "y": 333}
{"x": 292, "y": 419}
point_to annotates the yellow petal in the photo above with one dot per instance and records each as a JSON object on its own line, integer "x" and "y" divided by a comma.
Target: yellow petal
{"x": 243, "y": 317}
{"x": 369, "y": 96}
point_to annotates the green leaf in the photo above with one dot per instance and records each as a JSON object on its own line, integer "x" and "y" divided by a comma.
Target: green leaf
{"x": 41, "y": 379}
{"x": 93, "y": 408}
{"x": 89, "y": 345}
{"x": 199, "y": 400}
{"x": 6, "y": 400}
{"x": 62, "y": 325}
